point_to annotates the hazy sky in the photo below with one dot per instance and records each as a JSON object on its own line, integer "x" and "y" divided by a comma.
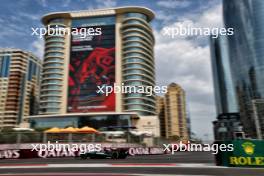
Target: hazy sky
{"x": 183, "y": 60}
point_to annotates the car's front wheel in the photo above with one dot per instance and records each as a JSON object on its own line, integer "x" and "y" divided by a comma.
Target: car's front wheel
{"x": 83, "y": 157}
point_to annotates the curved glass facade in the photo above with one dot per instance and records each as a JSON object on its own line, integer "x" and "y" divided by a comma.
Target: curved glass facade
{"x": 138, "y": 62}
{"x": 136, "y": 15}
{"x": 53, "y": 71}
{"x": 246, "y": 57}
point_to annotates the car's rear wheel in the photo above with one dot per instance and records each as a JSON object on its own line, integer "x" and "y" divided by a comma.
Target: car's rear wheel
{"x": 115, "y": 155}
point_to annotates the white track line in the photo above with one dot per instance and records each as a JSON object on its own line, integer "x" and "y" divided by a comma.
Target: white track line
{"x": 116, "y": 165}
{"x": 94, "y": 174}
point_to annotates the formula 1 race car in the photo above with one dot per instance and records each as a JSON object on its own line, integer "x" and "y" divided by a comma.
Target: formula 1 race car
{"x": 106, "y": 154}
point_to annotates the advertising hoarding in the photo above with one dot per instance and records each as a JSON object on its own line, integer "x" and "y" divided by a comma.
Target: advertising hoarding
{"x": 92, "y": 64}
{"x": 247, "y": 153}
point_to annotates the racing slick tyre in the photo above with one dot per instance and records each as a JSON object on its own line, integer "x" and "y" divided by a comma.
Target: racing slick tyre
{"x": 83, "y": 156}
{"x": 115, "y": 155}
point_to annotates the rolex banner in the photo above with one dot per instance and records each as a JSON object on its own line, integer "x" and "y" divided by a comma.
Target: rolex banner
{"x": 247, "y": 153}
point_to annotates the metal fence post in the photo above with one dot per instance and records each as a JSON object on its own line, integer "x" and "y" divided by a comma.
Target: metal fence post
{"x": 18, "y": 138}
{"x": 44, "y": 137}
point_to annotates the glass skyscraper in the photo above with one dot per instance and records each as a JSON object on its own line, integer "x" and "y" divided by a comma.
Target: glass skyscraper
{"x": 225, "y": 95}
{"x": 246, "y": 48}
{"x": 228, "y": 123}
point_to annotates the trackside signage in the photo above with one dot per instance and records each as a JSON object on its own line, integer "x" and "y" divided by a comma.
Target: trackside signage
{"x": 29, "y": 153}
{"x": 247, "y": 153}
{"x": 9, "y": 154}
{"x": 145, "y": 151}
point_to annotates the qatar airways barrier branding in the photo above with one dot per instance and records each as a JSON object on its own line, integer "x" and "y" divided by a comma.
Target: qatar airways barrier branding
{"x": 9, "y": 154}
{"x": 66, "y": 150}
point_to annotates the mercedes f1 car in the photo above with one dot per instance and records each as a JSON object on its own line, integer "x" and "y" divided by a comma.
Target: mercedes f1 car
{"x": 106, "y": 154}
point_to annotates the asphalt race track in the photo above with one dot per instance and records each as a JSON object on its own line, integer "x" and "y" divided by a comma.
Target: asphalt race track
{"x": 183, "y": 163}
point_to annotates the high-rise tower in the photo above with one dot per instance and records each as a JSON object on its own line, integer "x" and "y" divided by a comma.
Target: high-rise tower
{"x": 19, "y": 86}
{"x": 124, "y": 48}
{"x": 99, "y": 48}
{"x": 175, "y": 112}
{"x": 246, "y": 60}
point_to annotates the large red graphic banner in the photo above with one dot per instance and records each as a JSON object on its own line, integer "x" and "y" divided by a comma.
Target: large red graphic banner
{"x": 92, "y": 65}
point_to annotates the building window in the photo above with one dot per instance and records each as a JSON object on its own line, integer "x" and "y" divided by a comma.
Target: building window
{"x": 4, "y": 66}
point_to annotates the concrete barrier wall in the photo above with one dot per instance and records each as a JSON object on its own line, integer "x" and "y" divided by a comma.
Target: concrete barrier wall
{"x": 21, "y": 151}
